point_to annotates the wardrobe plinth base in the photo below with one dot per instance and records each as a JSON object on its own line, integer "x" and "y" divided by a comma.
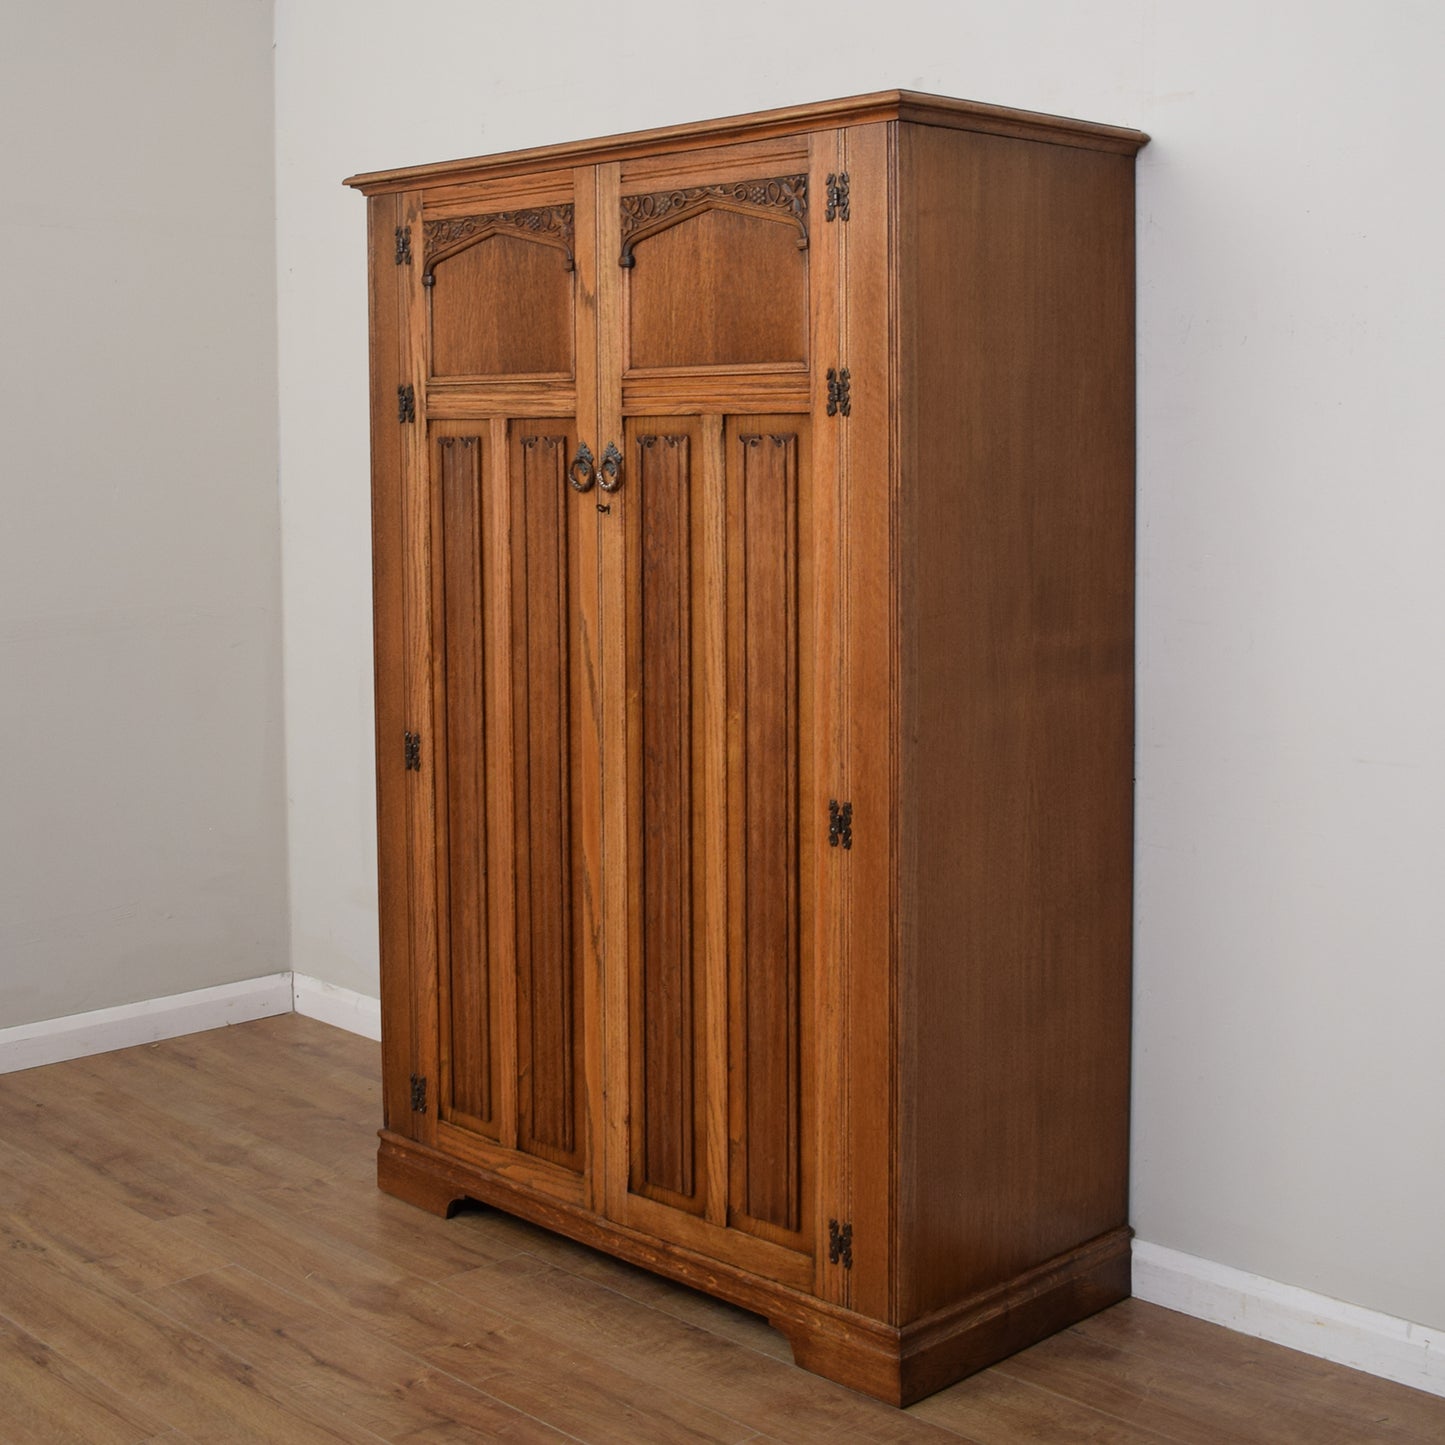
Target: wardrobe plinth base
{"x": 899, "y": 1365}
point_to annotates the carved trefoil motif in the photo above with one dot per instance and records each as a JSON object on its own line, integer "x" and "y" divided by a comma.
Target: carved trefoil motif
{"x": 779, "y": 198}
{"x": 551, "y": 225}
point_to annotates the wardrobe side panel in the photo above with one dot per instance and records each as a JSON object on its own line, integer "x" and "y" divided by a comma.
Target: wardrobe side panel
{"x": 1016, "y": 298}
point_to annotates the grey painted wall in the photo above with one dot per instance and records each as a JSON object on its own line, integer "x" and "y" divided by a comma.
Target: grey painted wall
{"x": 142, "y": 810}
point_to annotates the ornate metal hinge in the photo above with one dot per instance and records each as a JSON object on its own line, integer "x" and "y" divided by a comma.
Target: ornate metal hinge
{"x": 839, "y": 393}
{"x": 840, "y": 823}
{"x": 403, "y": 245}
{"x": 837, "y": 208}
{"x": 418, "y": 1094}
{"x": 406, "y": 403}
{"x": 413, "y": 752}
{"x": 840, "y": 1244}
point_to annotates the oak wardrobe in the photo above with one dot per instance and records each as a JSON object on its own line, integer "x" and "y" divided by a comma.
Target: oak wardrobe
{"x": 753, "y": 549}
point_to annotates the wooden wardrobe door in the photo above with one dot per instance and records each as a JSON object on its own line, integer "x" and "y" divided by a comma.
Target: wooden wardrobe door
{"x": 672, "y": 683}
{"x": 709, "y": 583}
{"x": 511, "y": 576}
{"x": 715, "y": 1028}
{"x": 713, "y": 1022}
{"x": 507, "y": 334}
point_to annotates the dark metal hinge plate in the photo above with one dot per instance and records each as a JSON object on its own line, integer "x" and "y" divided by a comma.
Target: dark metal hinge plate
{"x": 840, "y": 399}
{"x": 418, "y": 1094}
{"x": 837, "y": 208}
{"x": 840, "y": 824}
{"x": 413, "y": 752}
{"x": 840, "y": 1244}
{"x": 403, "y": 246}
{"x": 406, "y": 403}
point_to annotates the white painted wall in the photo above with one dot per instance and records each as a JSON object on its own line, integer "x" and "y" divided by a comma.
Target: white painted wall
{"x": 142, "y": 847}
{"x": 1291, "y": 804}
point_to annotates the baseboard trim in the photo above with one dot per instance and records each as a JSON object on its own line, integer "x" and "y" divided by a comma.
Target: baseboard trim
{"x": 343, "y": 1008}
{"x": 1346, "y": 1334}
{"x": 76, "y": 1036}
{"x": 51, "y": 1041}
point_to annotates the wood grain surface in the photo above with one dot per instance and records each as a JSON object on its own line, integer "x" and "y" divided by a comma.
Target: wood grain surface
{"x": 1016, "y": 614}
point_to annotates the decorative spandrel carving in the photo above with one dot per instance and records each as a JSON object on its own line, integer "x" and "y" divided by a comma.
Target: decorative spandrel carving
{"x": 551, "y": 225}
{"x": 780, "y": 198}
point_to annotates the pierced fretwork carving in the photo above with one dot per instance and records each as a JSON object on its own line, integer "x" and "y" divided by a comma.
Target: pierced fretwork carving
{"x": 782, "y": 198}
{"x": 551, "y": 225}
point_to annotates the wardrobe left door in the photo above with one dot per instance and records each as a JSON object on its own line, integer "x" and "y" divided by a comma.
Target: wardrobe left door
{"x": 494, "y": 531}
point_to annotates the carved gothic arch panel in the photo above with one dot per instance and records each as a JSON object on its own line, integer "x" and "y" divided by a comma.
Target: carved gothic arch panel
{"x": 506, "y": 307}
{"x": 780, "y": 198}
{"x": 546, "y": 225}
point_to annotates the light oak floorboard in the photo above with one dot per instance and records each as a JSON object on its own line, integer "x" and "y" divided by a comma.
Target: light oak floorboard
{"x": 192, "y": 1248}
{"x": 44, "y": 1398}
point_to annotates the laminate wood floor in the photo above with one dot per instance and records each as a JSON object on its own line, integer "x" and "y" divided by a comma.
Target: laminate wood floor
{"x": 192, "y": 1248}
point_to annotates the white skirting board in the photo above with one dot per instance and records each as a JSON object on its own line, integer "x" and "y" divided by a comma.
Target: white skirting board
{"x": 343, "y": 1008}
{"x": 1328, "y": 1328}
{"x": 27, "y": 1046}
{"x": 51, "y": 1041}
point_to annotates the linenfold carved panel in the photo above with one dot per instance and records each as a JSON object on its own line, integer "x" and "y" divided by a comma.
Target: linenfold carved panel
{"x": 470, "y": 1027}
{"x": 764, "y": 625}
{"x": 666, "y": 984}
{"x": 548, "y": 944}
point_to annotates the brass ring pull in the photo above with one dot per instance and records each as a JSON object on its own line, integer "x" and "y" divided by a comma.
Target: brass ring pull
{"x": 580, "y": 473}
{"x": 611, "y": 478}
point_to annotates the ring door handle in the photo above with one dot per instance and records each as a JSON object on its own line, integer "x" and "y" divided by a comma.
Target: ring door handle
{"x": 611, "y": 470}
{"x": 581, "y": 473}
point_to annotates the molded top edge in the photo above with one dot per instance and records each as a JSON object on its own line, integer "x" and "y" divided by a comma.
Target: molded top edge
{"x": 881, "y": 105}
